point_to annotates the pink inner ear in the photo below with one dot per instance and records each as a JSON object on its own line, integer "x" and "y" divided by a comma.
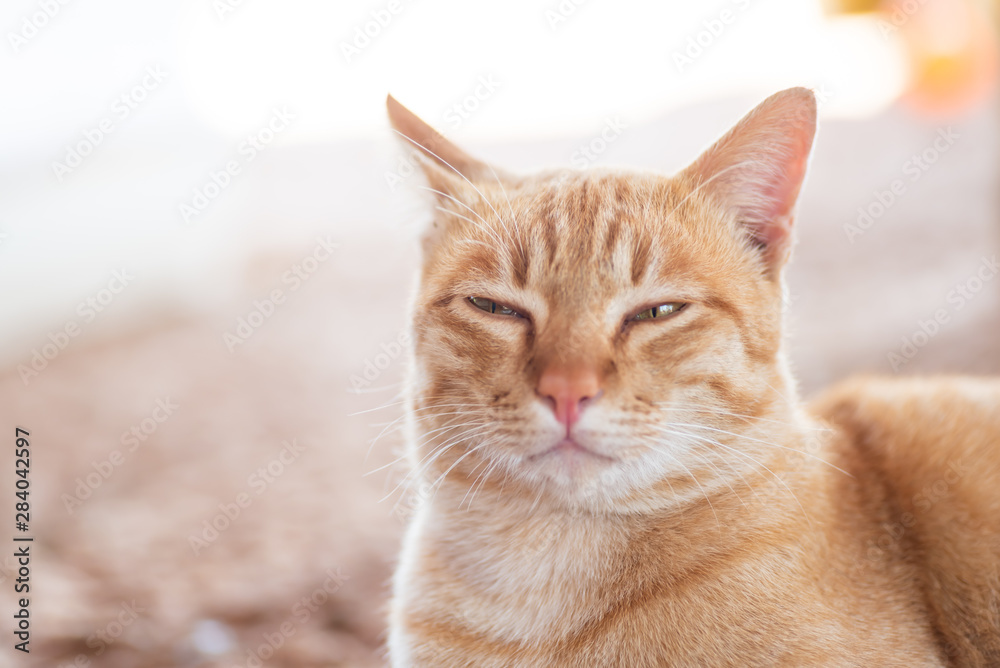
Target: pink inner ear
{"x": 763, "y": 160}
{"x": 778, "y": 196}
{"x": 784, "y": 191}
{"x": 767, "y": 152}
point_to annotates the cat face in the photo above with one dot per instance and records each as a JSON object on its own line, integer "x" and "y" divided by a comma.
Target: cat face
{"x": 591, "y": 337}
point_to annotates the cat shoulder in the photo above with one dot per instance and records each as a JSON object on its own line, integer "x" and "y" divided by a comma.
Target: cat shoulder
{"x": 933, "y": 445}
{"x": 957, "y": 412}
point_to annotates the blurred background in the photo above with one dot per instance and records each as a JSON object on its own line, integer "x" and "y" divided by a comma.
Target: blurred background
{"x": 208, "y": 240}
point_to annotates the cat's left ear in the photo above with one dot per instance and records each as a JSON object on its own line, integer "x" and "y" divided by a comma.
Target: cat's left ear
{"x": 440, "y": 159}
{"x": 757, "y": 169}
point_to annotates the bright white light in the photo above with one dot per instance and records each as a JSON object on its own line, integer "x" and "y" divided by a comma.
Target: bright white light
{"x": 633, "y": 57}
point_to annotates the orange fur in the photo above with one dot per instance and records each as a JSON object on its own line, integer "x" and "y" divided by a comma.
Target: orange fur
{"x": 694, "y": 513}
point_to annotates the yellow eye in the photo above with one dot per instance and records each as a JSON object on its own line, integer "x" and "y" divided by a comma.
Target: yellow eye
{"x": 491, "y": 306}
{"x": 661, "y": 311}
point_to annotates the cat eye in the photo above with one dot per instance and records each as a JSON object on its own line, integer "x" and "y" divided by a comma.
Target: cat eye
{"x": 491, "y": 306}
{"x": 658, "y": 312}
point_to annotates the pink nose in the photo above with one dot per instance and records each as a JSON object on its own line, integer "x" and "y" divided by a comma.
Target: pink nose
{"x": 567, "y": 388}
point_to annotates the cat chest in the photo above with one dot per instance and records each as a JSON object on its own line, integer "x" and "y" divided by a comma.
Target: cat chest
{"x": 564, "y": 602}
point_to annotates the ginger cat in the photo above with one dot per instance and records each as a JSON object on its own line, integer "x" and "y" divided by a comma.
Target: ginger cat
{"x": 622, "y": 472}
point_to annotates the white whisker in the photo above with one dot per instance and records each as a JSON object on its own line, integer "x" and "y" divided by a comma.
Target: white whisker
{"x": 769, "y": 443}
{"x": 706, "y": 439}
{"x": 696, "y": 481}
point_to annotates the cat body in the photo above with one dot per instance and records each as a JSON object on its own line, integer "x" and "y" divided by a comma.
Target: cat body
{"x": 621, "y": 473}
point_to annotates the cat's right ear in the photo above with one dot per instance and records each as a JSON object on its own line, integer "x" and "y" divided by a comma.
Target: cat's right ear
{"x": 447, "y": 167}
{"x": 757, "y": 168}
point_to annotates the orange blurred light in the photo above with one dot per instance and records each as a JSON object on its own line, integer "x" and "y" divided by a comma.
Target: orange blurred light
{"x": 851, "y": 6}
{"x": 952, "y": 50}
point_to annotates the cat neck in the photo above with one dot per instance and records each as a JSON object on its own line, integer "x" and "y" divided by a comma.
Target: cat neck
{"x": 546, "y": 567}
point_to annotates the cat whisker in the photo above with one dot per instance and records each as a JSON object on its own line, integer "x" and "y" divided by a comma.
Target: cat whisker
{"x": 373, "y": 390}
{"x": 693, "y": 477}
{"x": 464, "y": 177}
{"x": 685, "y": 405}
{"x": 481, "y": 481}
{"x": 775, "y": 475}
{"x": 441, "y": 478}
{"x": 791, "y": 401}
{"x": 472, "y": 486}
{"x": 424, "y": 437}
{"x": 390, "y": 426}
{"x": 377, "y": 408}
{"x": 471, "y": 430}
{"x": 769, "y": 443}
{"x": 426, "y": 416}
{"x": 722, "y": 477}
{"x": 708, "y": 181}
{"x": 465, "y": 218}
{"x": 485, "y": 227}
{"x": 534, "y": 504}
{"x": 513, "y": 216}
{"x": 402, "y": 401}
{"x": 752, "y": 459}
{"x": 704, "y": 439}
{"x": 498, "y": 465}
{"x": 458, "y": 461}
{"x": 424, "y": 464}
{"x": 387, "y": 428}
{"x": 474, "y": 242}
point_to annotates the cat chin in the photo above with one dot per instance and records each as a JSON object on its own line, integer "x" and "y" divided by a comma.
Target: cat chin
{"x": 568, "y": 462}
{"x": 570, "y": 453}
{"x": 575, "y": 477}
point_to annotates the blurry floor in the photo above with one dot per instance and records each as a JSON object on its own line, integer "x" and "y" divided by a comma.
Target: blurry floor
{"x": 304, "y": 543}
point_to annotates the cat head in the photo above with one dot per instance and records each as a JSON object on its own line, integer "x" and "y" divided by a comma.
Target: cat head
{"x": 599, "y": 338}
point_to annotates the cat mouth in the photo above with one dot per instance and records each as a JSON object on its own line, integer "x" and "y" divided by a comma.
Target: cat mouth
{"x": 569, "y": 448}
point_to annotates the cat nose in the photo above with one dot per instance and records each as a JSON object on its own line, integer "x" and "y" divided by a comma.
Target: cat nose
{"x": 566, "y": 390}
